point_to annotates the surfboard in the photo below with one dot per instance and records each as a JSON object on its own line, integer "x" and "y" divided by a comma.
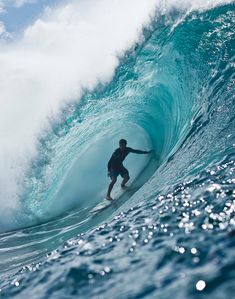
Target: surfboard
{"x": 101, "y": 206}
{"x": 104, "y": 204}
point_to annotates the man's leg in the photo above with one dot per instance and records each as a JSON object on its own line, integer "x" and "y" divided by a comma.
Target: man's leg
{"x": 125, "y": 180}
{"x": 114, "y": 179}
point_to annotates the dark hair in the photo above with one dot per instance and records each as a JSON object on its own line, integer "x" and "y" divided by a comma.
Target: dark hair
{"x": 122, "y": 142}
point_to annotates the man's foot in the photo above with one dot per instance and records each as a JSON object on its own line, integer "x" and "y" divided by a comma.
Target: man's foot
{"x": 109, "y": 198}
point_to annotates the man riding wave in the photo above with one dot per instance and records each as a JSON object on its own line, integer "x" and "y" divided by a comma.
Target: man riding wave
{"x": 116, "y": 168}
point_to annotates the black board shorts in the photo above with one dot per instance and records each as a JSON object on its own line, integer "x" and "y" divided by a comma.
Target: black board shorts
{"x": 122, "y": 171}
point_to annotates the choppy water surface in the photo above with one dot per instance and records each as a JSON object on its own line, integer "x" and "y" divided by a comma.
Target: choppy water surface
{"x": 173, "y": 234}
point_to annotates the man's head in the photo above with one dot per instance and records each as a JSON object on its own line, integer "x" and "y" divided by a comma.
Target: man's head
{"x": 122, "y": 144}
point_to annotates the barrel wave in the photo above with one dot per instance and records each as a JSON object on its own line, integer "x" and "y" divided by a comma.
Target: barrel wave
{"x": 173, "y": 231}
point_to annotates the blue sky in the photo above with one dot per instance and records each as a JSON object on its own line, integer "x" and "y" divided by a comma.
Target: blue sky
{"x": 15, "y": 15}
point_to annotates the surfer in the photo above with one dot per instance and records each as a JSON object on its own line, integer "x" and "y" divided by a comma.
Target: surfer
{"x": 115, "y": 166}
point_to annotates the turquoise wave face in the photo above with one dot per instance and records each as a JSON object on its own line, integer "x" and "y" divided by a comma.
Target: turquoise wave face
{"x": 173, "y": 92}
{"x": 162, "y": 97}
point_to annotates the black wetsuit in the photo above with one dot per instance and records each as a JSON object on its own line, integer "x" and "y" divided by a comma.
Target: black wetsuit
{"x": 115, "y": 166}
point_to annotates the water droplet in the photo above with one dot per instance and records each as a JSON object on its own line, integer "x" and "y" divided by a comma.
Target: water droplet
{"x": 200, "y": 285}
{"x": 196, "y": 260}
{"x": 182, "y": 250}
{"x": 107, "y": 269}
{"x": 102, "y": 273}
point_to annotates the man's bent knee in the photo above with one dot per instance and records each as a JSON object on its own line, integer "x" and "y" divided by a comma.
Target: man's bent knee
{"x": 114, "y": 179}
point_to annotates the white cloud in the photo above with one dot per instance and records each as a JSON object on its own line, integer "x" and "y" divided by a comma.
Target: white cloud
{"x": 17, "y": 3}
{"x": 4, "y": 35}
{"x": 2, "y": 5}
{"x": 2, "y": 28}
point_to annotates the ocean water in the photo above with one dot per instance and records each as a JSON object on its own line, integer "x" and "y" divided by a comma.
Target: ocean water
{"x": 173, "y": 232}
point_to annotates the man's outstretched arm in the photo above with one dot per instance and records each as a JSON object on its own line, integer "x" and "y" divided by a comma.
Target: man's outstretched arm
{"x": 139, "y": 151}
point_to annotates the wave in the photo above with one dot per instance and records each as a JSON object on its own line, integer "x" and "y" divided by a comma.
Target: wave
{"x": 171, "y": 91}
